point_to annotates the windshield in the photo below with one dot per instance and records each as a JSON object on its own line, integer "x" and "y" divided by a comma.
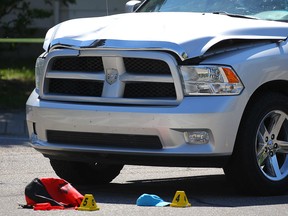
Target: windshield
{"x": 259, "y": 9}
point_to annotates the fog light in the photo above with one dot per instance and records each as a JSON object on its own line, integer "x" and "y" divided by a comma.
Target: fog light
{"x": 196, "y": 137}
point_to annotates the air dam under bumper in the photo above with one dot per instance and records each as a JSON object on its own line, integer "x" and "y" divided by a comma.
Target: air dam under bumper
{"x": 218, "y": 116}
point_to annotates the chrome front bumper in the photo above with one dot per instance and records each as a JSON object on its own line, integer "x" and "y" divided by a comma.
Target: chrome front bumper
{"x": 219, "y": 116}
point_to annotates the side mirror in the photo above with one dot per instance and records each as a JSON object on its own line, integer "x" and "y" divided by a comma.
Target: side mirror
{"x": 131, "y": 6}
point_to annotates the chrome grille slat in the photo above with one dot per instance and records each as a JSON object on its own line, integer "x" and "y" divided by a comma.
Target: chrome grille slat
{"x": 146, "y": 78}
{"x": 76, "y": 75}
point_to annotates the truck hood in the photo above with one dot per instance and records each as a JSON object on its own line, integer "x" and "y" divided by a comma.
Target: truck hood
{"x": 186, "y": 34}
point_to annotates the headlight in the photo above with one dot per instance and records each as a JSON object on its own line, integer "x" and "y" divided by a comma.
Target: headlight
{"x": 210, "y": 80}
{"x": 39, "y": 72}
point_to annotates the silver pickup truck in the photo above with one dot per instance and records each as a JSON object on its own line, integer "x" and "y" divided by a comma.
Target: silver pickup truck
{"x": 190, "y": 83}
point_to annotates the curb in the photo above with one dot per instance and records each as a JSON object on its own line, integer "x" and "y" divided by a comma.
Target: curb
{"x": 13, "y": 123}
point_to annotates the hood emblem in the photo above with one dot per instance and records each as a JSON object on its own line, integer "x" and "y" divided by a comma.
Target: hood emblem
{"x": 111, "y": 75}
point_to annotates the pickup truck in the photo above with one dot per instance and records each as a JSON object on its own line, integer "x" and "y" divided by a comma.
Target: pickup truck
{"x": 186, "y": 83}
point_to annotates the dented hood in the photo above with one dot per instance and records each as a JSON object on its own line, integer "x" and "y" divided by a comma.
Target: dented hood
{"x": 187, "y": 34}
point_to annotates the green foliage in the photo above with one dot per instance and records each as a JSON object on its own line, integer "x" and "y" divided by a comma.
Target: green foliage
{"x": 15, "y": 87}
{"x": 16, "y": 16}
{"x": 22, "y": 74}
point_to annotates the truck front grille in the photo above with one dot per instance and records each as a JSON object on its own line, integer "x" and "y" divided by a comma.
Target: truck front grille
{"x": 144, "y": 66}
{"x": 84, "y": 64}
{"x": 111, "y": 79}
{"x": 149, "y": 90}
{"x": 104, "y": 139}
{"x": 76, "y": 87}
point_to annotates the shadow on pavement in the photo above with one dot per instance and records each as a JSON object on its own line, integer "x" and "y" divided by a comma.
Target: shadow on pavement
{"x": 211, "y": 191}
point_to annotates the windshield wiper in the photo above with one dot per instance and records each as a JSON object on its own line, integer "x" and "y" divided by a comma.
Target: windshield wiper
{"x": 234, "y": 15}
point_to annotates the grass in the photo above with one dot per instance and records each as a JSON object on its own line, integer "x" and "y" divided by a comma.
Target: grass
{"x": 23, "y": 74}
{"x": 16, "y": 84}
{"x": 17, "y": 60}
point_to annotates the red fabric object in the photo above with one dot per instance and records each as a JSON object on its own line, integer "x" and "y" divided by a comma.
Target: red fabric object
{"x": 62, "y": 191}
{"x": 51, "y": 194}
{"x": 47, "y": 206}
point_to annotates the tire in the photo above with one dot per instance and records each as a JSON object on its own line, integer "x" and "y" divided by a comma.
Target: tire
{"x": 80, "y": 173}
{"x": 259, "y": 163}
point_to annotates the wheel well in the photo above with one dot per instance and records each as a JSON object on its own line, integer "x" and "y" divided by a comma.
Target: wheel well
{"x": 273, "y": 86}
{"x": 258, "y": 163}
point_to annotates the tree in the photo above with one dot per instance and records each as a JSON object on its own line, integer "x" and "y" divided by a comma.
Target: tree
{"x": 21, "y": 16}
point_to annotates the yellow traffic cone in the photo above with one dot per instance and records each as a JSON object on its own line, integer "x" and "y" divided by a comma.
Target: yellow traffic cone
{"x": 180, "y": 200}
{"x": 88, "y": 203}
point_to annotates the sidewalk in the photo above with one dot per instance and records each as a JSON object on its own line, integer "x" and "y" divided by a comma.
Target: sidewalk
{"x": 13, "y": 123}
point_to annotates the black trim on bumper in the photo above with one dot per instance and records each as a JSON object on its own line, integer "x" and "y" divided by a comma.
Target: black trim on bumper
{"x": 104, "y": 139}
{"x": 129, "y": 159}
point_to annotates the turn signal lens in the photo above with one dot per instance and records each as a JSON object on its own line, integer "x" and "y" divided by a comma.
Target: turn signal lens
{"x": 231, "y": 76}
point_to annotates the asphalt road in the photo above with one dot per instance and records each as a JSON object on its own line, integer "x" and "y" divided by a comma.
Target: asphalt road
{"x": 206, "y": 189}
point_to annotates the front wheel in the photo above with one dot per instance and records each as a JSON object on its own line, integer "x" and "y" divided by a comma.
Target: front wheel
{"x": 85, "y": 173}
{"x": 259, "y": 163}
